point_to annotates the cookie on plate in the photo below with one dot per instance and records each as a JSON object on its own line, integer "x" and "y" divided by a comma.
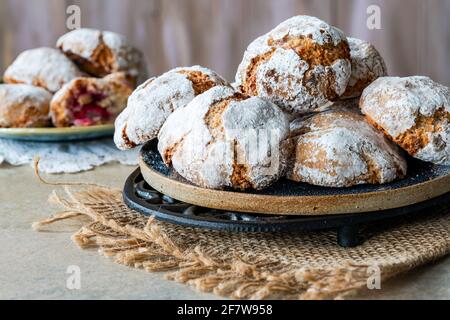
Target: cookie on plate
{"x": 90, "y": 101}
{"x": 224, "y": 138}
{"x": 300, "y": 65}
{"x": 42, "y": 67}
{"x": 153, "y": 101}
{"x": 338, "y": 148}
{"x": 367, "y": 66}
{"x": 24, "y": 106}
{"x": 414, "y": 112}
{"x": 100, "y": 53}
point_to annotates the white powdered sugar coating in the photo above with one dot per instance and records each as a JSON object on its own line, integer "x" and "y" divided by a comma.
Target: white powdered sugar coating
{"x": 43, "y": 67}
{"x": 151, "y": 104}
{"x": 211, "y": 74}
{"x": 297, "y": 124}
{"x": 307, "y": 26}
{"x": 367, "y": 65}
{"x": 263, "y": 128}
{"x": 16, "y": 98}
{"x": 128, "y": 58}
{"x": 438, "y": 150}
{"x": 19, "y": 93}
{"x": 258, "y": 47}
{"x": 207, "y": 155}
{"x": 84, "y": 42}
{"x": 119, "y": 127}
{"x": 278, "y": 75}
{"x": 153, "y": 101}
{"x": 341, "y": 69}
{"x": 396, "y": 104}
{"x": 281, "y": 77}
{"x": 180, "y": 122}
{"x": 289, "y": 67}
{"x": 235, "y": 86}
{"x": 187, "y": 133}
{"x": 338, "y": 148}
{"x": 298, "y": 26}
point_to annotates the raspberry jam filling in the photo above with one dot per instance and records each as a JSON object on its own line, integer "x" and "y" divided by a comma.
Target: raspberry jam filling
{"x": 87, "y": 110}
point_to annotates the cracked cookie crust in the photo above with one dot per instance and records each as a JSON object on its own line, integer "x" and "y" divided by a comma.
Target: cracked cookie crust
{"x": 300, "y": 65}
{"x": 414, "y": 112}
{"x": 152, "y": 102}
{"x": 224, "y": 138}
{"x": 338, "y": 148}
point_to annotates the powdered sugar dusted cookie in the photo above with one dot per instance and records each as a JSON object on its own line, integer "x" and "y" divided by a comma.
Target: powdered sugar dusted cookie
{"x": 101, "y": 52}
{"x": 223, "y": 138}
{"x": 350, "y": 103}
{"x": 414, "y": 112}
{"x": 367, "y": 66}
{"x": 338, "y": 148}
{"x": 43, "y": 67}
{"x": 22, "y": 105}
{"x": 152, "y": 102}
{"x": 300, "y": 65}
{"x": 90, "y": 101}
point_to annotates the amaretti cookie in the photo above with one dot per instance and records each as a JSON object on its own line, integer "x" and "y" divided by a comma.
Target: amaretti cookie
{"x": 88, "y": 101}
{"x": 414, "y": 112}
{"x": 43, "y": 67}
{"x": 24, "y": 106}
{"x": 338, "y": 148}
{"x": 153, "y": 101}
{"x": 367, "y": 66}
{"x": 350, "y": 103}
{"x": 224, "y": 138}
{"x": 300, "y": 65}
{"x": 100, "y": 53}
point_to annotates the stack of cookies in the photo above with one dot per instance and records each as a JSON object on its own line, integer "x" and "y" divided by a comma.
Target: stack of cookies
{"x": 307, "y": 103}
{"x": 85, "y": 81}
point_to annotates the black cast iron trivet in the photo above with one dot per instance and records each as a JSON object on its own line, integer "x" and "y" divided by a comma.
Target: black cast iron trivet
{"x": 138, "y": 195}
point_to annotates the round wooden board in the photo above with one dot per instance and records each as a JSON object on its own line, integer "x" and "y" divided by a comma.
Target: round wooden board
{"x": 425, "y": 181}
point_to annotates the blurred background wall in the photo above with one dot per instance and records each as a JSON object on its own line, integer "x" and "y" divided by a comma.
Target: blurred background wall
{"x": 414, "y": 37}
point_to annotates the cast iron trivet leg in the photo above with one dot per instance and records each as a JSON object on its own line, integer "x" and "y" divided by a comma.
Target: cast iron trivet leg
{"x": 349, "y": 236}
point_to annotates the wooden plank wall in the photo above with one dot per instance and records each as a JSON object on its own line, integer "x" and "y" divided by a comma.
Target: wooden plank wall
{"x": 414, "y": 39}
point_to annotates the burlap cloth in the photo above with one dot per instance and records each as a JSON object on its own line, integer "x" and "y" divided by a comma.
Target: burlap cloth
{"x": 248, "y": 265}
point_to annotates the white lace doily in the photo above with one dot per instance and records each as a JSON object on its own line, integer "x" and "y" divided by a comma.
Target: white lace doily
{"x": 65, "y": 156}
